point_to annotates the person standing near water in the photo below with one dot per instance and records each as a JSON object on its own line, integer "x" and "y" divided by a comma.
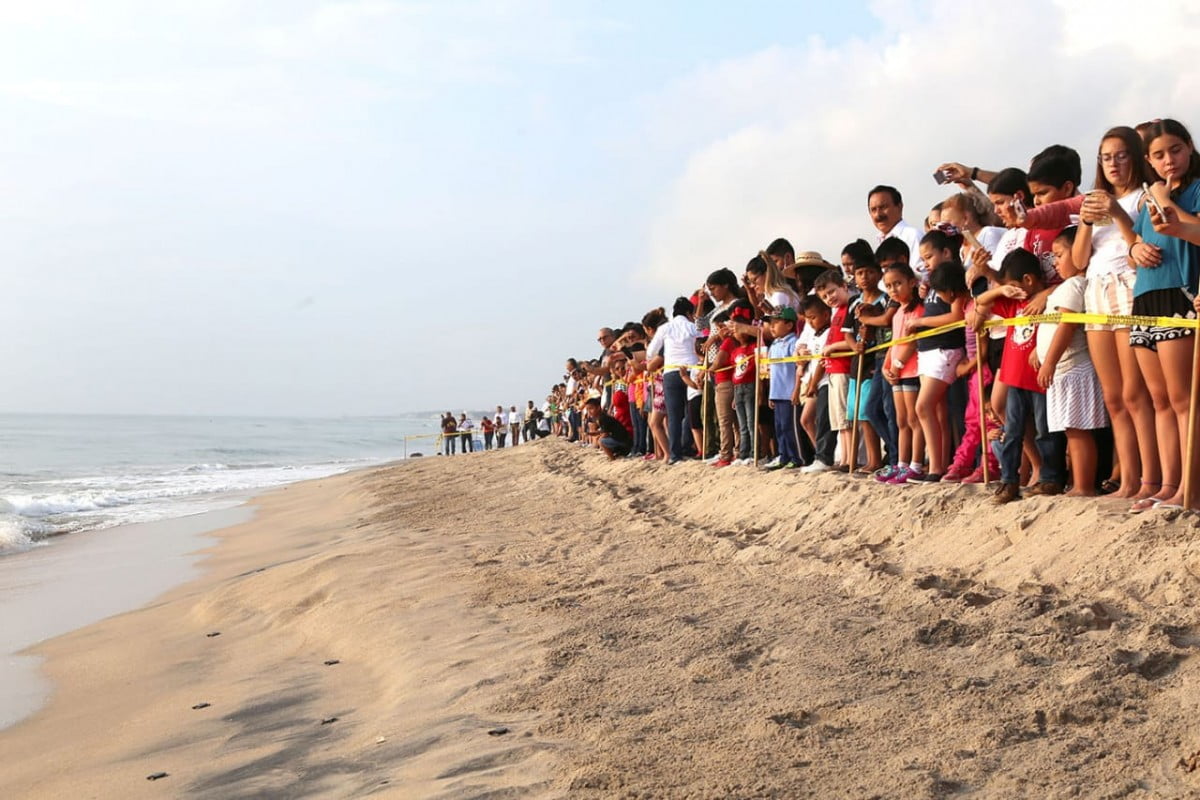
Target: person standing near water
{"x": 449, "y": 433}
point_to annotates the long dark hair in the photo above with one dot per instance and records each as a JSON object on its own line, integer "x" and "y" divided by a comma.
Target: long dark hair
{"x": 1169, "y": 127}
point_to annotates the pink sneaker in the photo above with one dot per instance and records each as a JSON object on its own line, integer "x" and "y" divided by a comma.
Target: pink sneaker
{"x": 903, "y": 475}
{"x": 975, "y": 477}
{"x": 954, "y": 474}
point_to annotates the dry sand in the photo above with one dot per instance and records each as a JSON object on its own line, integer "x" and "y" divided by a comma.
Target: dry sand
{"x": 642, "y": 631}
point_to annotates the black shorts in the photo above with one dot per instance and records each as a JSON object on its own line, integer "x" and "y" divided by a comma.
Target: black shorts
{"x": 1161, "y": 303}
{"x": 694, "y": 412}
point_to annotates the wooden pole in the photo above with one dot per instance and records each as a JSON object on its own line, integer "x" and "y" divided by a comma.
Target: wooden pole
{"x": 1189, "y": 447}
{"x": 980, "y": 341}
{"x": 757, "y": 391}
{"x": 704, "y": 406}
{"x": 862, "y": 359}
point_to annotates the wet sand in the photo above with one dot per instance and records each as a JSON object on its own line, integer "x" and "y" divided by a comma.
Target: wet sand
{"x": 541, "y": 622}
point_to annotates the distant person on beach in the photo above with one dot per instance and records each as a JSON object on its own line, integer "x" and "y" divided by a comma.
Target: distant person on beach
{"x": 616, "y": 439}
{"x": 514, "y": 425}
{"x": 530, "y": 428}
{"x": 449, "y": 433}
{"x": 489, "y": 430}
{"x": 466, "y": 429}
{"x": 501, "y": 420}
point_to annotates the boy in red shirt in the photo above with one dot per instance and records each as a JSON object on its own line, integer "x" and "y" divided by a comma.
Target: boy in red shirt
{"x": 1020, "y": 281}
{"x": 831, "y": 287}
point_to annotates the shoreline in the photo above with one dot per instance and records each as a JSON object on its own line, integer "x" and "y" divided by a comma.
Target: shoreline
{"x": 639, "y": 629}
{"x": 50, "y": 591}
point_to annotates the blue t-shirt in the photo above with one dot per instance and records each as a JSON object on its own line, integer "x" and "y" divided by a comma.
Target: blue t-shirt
{"x": 1180, "y": 266}
{"x": 783, "y": 376}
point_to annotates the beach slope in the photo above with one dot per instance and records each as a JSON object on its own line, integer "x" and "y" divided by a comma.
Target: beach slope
{"x": 541, "y": 622}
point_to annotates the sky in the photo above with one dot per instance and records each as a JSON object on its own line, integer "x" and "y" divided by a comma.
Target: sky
{"x": 293, "y": 207}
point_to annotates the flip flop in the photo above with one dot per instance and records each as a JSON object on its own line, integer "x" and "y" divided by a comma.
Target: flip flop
{"x": 1145, "y": 504}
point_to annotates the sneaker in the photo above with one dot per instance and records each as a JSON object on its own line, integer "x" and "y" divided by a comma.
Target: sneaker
{"x": 955, "y": 474}
{"x": 721, "y": 463}
{"x": 1006, "y": 494}
{"x": 886, "y": 473}
{"x": 816, "y": 466}
{"x": 905, "y": 475}
{"x": 774, "y": 462}
{"x": 977, "y": 475}
{"x": 713, "y": 460}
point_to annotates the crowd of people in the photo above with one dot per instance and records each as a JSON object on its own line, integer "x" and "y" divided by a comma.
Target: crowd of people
{"x": 923, "y": 355}
{"x": 534, "y": 423}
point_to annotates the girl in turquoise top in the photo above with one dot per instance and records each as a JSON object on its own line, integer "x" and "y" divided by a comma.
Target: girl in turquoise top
{"x": 1168, "y": 269}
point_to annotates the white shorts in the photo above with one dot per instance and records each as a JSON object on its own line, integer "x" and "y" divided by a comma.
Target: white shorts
{"x": 1109, "y": 294}
{"x": 839, "y": 387}
{"x": 940, "y": 364}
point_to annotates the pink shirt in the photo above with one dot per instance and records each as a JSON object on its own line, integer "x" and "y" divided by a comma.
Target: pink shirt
{"x": 898, "y": 321}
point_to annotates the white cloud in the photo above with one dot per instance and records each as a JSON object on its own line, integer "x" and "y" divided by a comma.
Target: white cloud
{"x": 787, "y": 141}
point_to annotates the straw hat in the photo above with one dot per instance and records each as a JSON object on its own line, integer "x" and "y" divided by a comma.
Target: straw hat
{"x": 811, "y": 258}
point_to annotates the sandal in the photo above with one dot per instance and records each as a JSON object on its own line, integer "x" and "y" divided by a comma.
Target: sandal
{"x": 1108, "y": 486}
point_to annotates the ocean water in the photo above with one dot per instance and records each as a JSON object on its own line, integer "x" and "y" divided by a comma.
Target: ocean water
{"x": 64, "y": 475}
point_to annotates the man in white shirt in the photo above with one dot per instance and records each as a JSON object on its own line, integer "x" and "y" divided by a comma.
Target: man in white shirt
{"x": 674, "y": 345}
{"x": 466, "y": 427}
{"x": 514, "y": 425}
{"x": 886, "y": 208}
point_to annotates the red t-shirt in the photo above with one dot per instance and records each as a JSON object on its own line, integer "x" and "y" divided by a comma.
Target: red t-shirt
{"x": 1038, "y": 241}
{"x": 620, "y": 410}
{"x": 1018, "y": 344}
{"x": 724, "y": 375}
{"x": 743, "y": 365}
{"x": 840, "y": 365}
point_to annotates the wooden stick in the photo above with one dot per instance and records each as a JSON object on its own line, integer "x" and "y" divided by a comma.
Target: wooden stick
{"x": 1189, "y": 449}
{"x": 862, "y": 359}
{"x": 757, "y": 391}
{"x": 704, "y": 406}
{"x": 980, "y": 340}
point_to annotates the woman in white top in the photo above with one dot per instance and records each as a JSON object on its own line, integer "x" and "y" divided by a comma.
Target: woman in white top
{"x": 674, "y": 347}
{"x": 767, "y": 289}
{"x": 1102, "y": 249}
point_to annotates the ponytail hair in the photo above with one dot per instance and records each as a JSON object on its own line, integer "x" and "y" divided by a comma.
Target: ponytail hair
{"x": 654, "y": 319}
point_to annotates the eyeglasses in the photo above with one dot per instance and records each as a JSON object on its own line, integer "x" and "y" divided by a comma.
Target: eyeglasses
{"x": 1113, "y": 158}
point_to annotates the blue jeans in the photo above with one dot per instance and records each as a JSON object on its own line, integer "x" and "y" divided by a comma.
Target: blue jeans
{"x": 881, "y": 413}
{"x": 785, "y": 432}
{"x": 451, "y": 443}
{"x": 1020, "y": 405}
{"x": 743, "y": 406}
{"x": 675, "y": 396}
{"x": 640, "y": 430}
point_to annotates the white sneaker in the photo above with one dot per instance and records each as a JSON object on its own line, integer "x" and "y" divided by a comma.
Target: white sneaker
{"x": 774, "y": 462}
{"x": 713, "y": 460}
{"x": 815, "y": 467}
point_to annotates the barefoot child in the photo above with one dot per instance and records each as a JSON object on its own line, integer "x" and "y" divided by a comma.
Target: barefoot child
{"x": 1074, "y": 400}
{"x": 938, "y": 356}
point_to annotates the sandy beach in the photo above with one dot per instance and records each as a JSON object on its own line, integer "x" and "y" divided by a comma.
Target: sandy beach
{"x": 539, "y": 622}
